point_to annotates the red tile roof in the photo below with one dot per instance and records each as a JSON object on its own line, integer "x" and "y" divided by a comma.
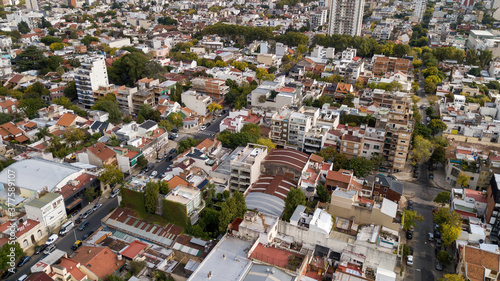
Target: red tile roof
{"x": 66, "y": 120}
{"x": 278, "y": 185}
{"x": 290, "y": 157}
{"x": 101, "y": 151}
{"x": 100, "y": 260}
{"x": 69, "y": 189}
{"x": 21, "y": 229}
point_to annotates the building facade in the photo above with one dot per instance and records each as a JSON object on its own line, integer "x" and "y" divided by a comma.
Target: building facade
{"x": 89, "y": 76}
{"x": 346, "y": 17}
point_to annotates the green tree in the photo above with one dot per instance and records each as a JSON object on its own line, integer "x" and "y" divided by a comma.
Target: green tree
{"x": 252, "y": 129}
{"x": 323, "y": 194}
{"x": 111, "y": 175}
{"x": 45, "y": 23}
{"x": 241, "y": 205}
{"x": 128, "y": 69}
{"x": 443, "y": 257}
{"x": 140, "y": 119}
{"x": 328, "y": 152}
{"x": 437, "y": 126}
{"x": 57, "y": 46}
{"x": 213, "y": 107}
{"x": 48, "y": 40}
{"x": 410, "y": 219}
{"x": 73, "y": 135}
{"x": 4, "y": 118}
{"x": 421, "y": 152}
{"x": 30, "y": 59}
{"x": 176, "y": 119}
{"x": 361, "y": 166}
{"x": 151, "y": 192}
{"x": 377, "y": 161}
{"x": 463, "y": 179}
{"x": 43, "y": 132}
{"x": 142, "y": 162}
{"x": 430, "y": 88}
{"x": 438, "y": 155}
{"x": 267, "y": 142}
{"x": 485, "y": 57}
{"x": 115, "y": 115}
{"x": 113, "y": 278}
{"x": 449, "y": 233}
{"x": 90, "y": 194}
{"x": 442, "y": 198}
{"x": 30, "y": 106}
{"x": 164, "y": 188}
{"x": 340, "y": 161}
{"x": 453, "y": 277}
{"x": 450, "y": 225}
{"x": 136, "y": 267}
{"x": 185, "y": 144}
{"x": 87, "y": 40}
{"x": 23, "y": 27}
{"x": 294, "y": 198}
{"x": 5, "y": 251}
{"x": 70, "y": 90}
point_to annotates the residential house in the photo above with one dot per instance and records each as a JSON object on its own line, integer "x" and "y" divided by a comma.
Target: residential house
{"x": 48, "y": 209}
{"x": 97, "y": 262}
{"x": 387, "y": 187}
{"x": 98, "y": 154}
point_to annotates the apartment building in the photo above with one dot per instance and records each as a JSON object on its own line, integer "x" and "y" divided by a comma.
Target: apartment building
{"x": 314, "y": 140}
{"x": 398, "y": 129}
{"x": 5, "y": 67}
{"x": 91, "y": 74}
{"x": 279, "y": 126}
{"x": 346, "y": 17}
{"x": 383, "y": 65}
{"x": 214, "y": 88}
{"x": 196, "y": 102}
{"x": 300, "y": 123}
{"x": 123, "y": 96}
{"x": 373, "y": 141}
{"x": 351, "y": 145}
{"x": 318, "y": 17}
{"x": 245, "y": 167}
{"x": 492, "y": 212}
{"x": 143, "y": 97}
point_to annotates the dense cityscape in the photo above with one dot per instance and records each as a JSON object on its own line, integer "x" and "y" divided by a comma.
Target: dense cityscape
{"x": 249, "y": 140}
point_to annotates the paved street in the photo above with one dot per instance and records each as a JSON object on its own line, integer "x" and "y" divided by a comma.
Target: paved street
{"x": 422, "y": 191}
{"x": 64, "y": 243}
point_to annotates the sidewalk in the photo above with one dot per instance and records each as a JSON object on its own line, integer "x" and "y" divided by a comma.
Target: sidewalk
{"x": 440, "y": 180}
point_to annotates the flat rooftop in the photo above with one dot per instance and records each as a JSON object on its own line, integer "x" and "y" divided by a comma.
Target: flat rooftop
{"x": 227, "y": 261}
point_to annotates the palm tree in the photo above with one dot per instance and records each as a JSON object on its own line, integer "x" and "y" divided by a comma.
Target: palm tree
{"x": 42, "y": 133}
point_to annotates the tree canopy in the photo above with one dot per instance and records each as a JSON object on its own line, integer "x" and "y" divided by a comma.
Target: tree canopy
{"x": 294, "y": 198}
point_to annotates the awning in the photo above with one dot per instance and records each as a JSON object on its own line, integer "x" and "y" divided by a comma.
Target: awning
{"x": 72, "y": 205}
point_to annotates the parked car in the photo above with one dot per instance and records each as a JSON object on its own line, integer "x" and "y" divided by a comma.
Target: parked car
{"x": 431, "y": 176}
{"x": 430, "y": 236}
{"x": 83, "y": 225}
{"x": 174, "y": 131}
{"x": 437, "y": 250}
{"x": 114, "y": 193}
{"x": 416, "y": 174}
{"x": 224, "y": 111}
{"x": 87, "y": 213}
{"x": 78, "y": 220}
{"x": 203, "y": 128}
{"x": 175, "y": 135}
{"x": 169, "y": 158}
{"x": 153, "y": 174}
{"x": 173, "y": 151}
{"x": 439, "y": 266}
{"x": 76, "y": 245}
{"x": 52, "y": 239}
{"x": 87, "y": 235}
{"x": 409, "y": 234}
{"x": 23, "y": 277}
{"x": 97, "y": 206}
{"x": 149, "y": 167}
{"x": 171, "y": 137}
{"x": 214, "y": 119}
{"x": 411, "y": 250}
{"x": 23, "y": 261}
{"x": 439, "y": 243}
{"x": 410, "y": 205}
{"x": 9, "y": 273}
{"x": 208, "y": 124}
{"x": 40, "y": 249}
{"x": 49, "y": 249}
{"x": 409, "y": 260}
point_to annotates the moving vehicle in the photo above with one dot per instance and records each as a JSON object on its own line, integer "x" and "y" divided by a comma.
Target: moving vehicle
{"x": 409, "y": 260}
{"x": 83, "y": 225}
{"x": 76, "y": 245}
{"x": 153, "y": 174}
{"x": 23, "y": 261}
{"x": 208, "y": 124}
{"x": 49, "y": 249}
{"x": 65, "y": 228}
{"x": 52, "y": 239}
{"x": 202, "y": 128}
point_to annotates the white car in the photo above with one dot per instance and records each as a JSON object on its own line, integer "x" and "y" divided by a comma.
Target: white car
{"x": 203, "y": 128}
{"x": 53, "y": 238}
{"x": 97, "y": 206}
{"x": 114, "y": 193}
{"x": 409, "y": 260}
{"x": 153, "y": 174}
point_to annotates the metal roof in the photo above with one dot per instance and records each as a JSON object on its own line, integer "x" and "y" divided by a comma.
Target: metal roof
{"x": 35, "y": 174}
{"x": 265, "y": 203}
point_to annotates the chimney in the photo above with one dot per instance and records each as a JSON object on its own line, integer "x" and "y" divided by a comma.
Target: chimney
{"x": 89, "y": 251}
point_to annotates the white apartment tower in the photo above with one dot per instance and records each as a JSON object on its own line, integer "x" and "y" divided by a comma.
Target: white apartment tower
{"x": 419, "y": 9}
{"x": 346, "y": 17}
{"x": 89, "y": 77}
{"x": 32, "y": 5}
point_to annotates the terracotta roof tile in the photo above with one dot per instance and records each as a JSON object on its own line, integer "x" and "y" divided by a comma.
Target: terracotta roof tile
{"x": 101, "y": 151}
{"x": 100, "y": 260}
{"x": 66, "y": 120}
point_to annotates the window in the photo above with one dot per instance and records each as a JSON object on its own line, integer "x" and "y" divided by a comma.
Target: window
{"x": 345, "y": 149}
{"x": 383, "y": 195}
{"x": 385, "y": 189}
{"x": 25, "y": 243}
{"x": 376, "y": 147}
{"x": 39, "y": 233}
